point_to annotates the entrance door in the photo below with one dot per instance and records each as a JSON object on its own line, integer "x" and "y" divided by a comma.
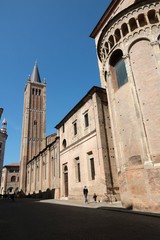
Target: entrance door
{"x": 66, "y": 184}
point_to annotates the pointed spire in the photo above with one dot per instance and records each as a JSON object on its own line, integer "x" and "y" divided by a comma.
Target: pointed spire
{"x": 35, "y": 76}
{"x": 4, "y": 126}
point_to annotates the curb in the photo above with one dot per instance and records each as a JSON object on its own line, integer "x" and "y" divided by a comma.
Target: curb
{"x": 124, "y": 210}
{"x": 102, "y": 207}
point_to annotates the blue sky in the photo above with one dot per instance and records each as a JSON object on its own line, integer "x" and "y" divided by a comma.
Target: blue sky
{"x": 56, "y": 34}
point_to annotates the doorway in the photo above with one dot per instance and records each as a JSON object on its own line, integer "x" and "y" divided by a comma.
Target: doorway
{"x": 65, "y": 181}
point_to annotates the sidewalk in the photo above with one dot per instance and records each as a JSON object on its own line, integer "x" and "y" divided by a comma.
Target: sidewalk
{"x": 113, "y": 206}
{"x": 82, "y": 204}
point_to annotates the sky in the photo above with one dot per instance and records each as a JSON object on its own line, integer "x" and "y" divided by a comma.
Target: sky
{"x": 55, "y": 33}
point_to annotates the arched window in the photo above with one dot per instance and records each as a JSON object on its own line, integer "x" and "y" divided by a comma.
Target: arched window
{"x": 118, "y": 68}
{"x": 9, "y": 190}
{"x": 64, "y": 143}
{"x": 111, "y": 41}
{"x": 65, "y": 168}
{"x": 132, "y": 24}
{"x": 142, "y": 20}
{"x": 152, "y": 16}
{"x": 117, "y": 35}
{"x": 124, "y": 29}
{"x": 13, "y": 178}
{"x": 35, "y": 122}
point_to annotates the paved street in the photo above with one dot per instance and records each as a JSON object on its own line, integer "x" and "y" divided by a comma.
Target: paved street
{"x": 35, "y": 220}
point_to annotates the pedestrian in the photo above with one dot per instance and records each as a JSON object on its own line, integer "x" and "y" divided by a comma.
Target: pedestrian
{"x": 12, "y": 197}
{"x": 95, "y": 197}
{"x": 85, "y": 193}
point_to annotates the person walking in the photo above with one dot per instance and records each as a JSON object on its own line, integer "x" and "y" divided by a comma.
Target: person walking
{"x": 85, "y": 193}
{"x": 95, "y": 197}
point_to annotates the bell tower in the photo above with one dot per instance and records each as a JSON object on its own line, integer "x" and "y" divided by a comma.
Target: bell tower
{"x": 34, "y": 122}
{"x": 3, "y": 138}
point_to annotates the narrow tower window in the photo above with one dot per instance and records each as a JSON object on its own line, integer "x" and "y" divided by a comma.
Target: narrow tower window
{"x": 63, "y": 128}
{"x": 86, "y": 119}
{"x": 77, "y": 168}
{"x": 35, "y": 122}
{"x": 92, "y": 168}
{"x": 13, "y": 178}
{"x": 75, "y": 128}
{"x": 64, "y": 143}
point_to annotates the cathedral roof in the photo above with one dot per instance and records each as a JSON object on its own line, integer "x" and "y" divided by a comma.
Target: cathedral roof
{"x": 35, "y": 76}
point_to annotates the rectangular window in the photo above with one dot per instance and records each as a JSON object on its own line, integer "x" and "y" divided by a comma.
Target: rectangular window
{"x": 77, "y": 168}
{"x": 92, "y": 168}
{"x": 38, "y": 170}
{"x": 31, "y": 175}
{"x": 53, "y": 166}
{"x": 28, "y": 176}
{"x": 75, "y": 128}
{"x": 63, "y": 128}
{"x": 121, "y": 73}
{"x": 0, "y": 145}
{"x": 44, "y": 167}
{"x": 86, "y": 119}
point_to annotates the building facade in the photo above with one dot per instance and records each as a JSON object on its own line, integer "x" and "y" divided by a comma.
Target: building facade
{"x": 86, "y": 149}
{"x": 10, "y": 179}
{"x": 127, "y": 41}
{"x": 43, "y": 171}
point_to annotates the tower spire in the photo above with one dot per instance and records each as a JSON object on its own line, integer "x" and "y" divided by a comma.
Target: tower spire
{"x": 35, "y": 76}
